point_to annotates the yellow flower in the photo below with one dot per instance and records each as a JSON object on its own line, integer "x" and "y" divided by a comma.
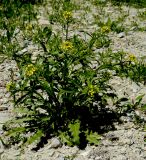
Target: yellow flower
{"x": 30, "y": 69}
{"x": 9, "y": 86}
{"x": 29, "y": 27}
{"x": 67, "y": 15}
{"x": 91, "y": 91}
{"x": 105, "y": 29}
{"x": 66, "y": 45}
{"x": 132, "y": 58}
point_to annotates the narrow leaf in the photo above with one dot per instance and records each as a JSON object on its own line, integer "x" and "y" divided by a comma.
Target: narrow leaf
{"x": 35, "y": 137}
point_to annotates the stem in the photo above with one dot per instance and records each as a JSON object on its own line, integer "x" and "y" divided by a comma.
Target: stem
{"x": 65, "y": 76}
{"x": 65, "y": 71}
{"x": 12, "y": 78}
{"x": 66, "y": 29}
{"x": 29, "y": 13}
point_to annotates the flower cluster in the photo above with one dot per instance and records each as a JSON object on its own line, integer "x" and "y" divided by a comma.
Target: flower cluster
{"x": 105, "y": 29}
{"x": 67, "y": 15}
{"x": 132, "y": 58}
{"x": 66, "y": 45}
{"x": 10, "y": 86}
{"x": 91, "y": 91}
{"x": 30, "y": 69}
{"x": 29, "y": 27}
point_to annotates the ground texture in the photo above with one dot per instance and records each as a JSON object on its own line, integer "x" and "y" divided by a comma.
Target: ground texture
{"x": 126, "y": 142}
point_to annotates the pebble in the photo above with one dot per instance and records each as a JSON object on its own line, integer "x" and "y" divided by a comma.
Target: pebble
{"x": 121, "y": 35}
{"x": 55, "y": 143}
{"x": 60, "y": 158}
{"x": 3, "y": 108}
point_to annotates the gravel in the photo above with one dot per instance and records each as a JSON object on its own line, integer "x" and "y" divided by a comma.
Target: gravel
{"x": 126, "y": 142}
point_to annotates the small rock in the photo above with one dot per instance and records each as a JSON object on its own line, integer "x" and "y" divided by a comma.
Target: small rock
{"x": 51, "y": 153}
{"x": 138, "y": 112}
{"x": 3, "y": 108}
{"x": 22, "y": 51}
{"x": 121, "y": 35}
{"x": 27, "y": 42}
{"x": 16, "y": 31}
{"x": 60, "y": 158}
{"x": 98, "y": 158}
{"x": 55, "y": 143}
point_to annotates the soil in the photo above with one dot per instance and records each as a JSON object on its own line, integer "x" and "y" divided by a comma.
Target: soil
{"x": 126, "y": 141}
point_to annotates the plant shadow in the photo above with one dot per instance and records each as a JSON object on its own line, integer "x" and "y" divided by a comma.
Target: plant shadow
{"x": 97, "y": 120}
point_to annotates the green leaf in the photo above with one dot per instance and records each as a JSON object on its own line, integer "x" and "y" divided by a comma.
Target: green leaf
{"x": 46, "y": 86}
{"x": 143, "y": 108}
{"x": 65, "y": 138}
{"x": 93, "y": 138}
{"x": 75, "y": 131}
{"x": 47, "y": 32}
{"x": 22, "y": 99}
{"x": 35, "y": 137}
{"x": 15, "y": 130}
{"x": 139, "y": 98}
{"x": 45, "y": 118}
{"x": 3, "y": 143}
{"x": 19, "y": 121}
{"x": 20, "y": 110}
